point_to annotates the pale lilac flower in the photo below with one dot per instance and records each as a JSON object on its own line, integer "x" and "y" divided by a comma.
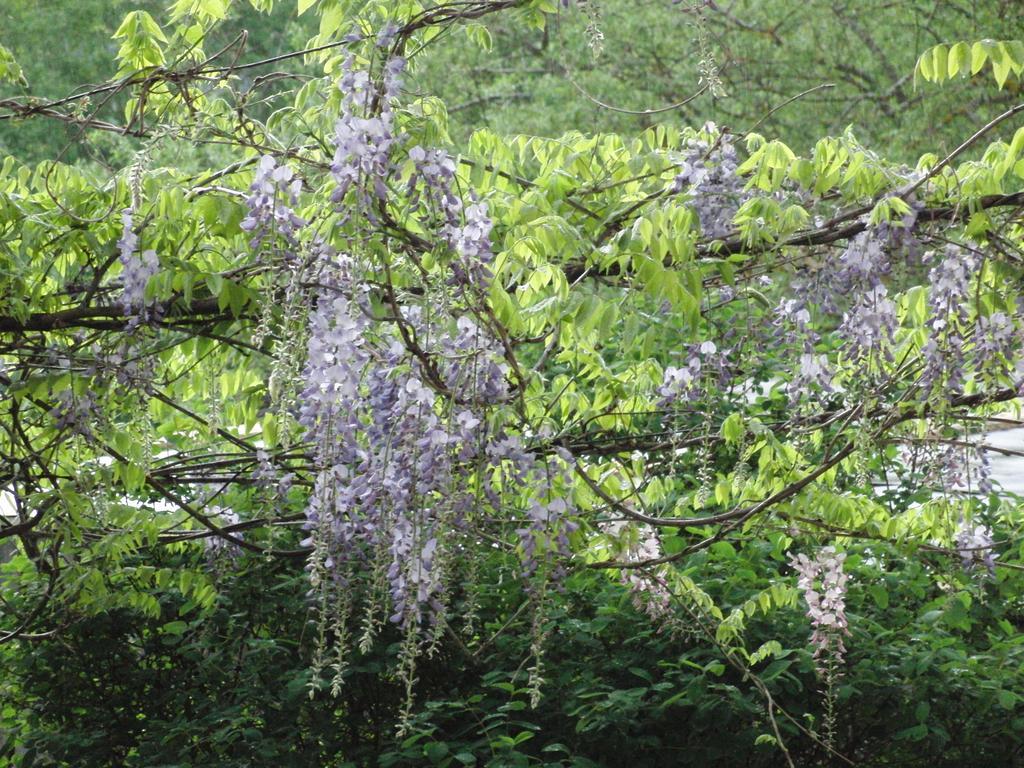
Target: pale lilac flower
{"x": 974, "y": 544}
{"x": 272, "y": 193}
{"x": 705, "y": 363}
{"x": 75, "y": 413}
{"x": 823, "y": 584}
{"x": 948, "y": 298}
{"x": 707, "y": 173}
{"x": 136, "y": 273}
{"x": 216, "y": 546}
{"x": 640, "y": 543}
{"x": 364, "y": 135}
{"x": 869, "y": 325}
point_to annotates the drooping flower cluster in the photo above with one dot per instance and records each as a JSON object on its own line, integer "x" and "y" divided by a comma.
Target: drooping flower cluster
{"x": 269, "y": 478}
{"x": 472, "y": 242}
{"x": 274, "y": 190}
{"x": 75, "y": 413}
{"x": 974, "y": 544}
{"x": 868, "y": 325}
{"x": 400, "y": 444}
{"x": 365, "y": 139}
{"x": 218, "y": 548}
{"x": 957, "y": 468}
{"x": 471, "y": 363}
{"x": 431, "y": 187}
{"x": 398, "y": 417}
{"x": 823, "y": 584}
{"x": 997, "y": 342}
{"x": 549, "y": 514}
{"x": 364, "y": 134}
{"x": 704, "y": 364}
{"x": 136, "y": 271}
{"x": 707, "y": 173}
{"x": 639, "y": 543}
{"x": 950, "y": 282}
{"x": 792, "y": 322}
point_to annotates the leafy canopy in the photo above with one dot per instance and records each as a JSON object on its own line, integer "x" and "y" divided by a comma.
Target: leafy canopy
{"x": 302, "y": 326}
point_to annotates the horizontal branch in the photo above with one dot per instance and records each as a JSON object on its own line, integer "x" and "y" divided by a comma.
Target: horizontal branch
{"x": 843, "y": 227}
{"x": 112, "y": 316}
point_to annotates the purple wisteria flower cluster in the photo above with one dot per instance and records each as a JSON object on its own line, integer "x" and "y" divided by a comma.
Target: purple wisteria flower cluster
{"x": 219, "y": 549}
{"x": 705, "y": 363}
{"x": 868, "y": 325}
{"x": 949, "y": 314}
{"x": 823, "y": 584}
{"x": 399, "y": 450}
{"x": 974, "y": 544}
{"x": 792, "y": 321}
{"x": 397, "y": 419}
{"x": 274, "y": 190}
{"x": 852, "y": 286}
{"x": 549, "y": 514}
{"x": 707, "y": 173}
{"x": 431, "y": 188}
{"x": 136, "y": 271}
{"x": 956, "y": 468}
{"x": 365, "y": 139}
{"x": 269, "y": 477}
{"x": 75, "y": 413}
{"x": 364, "y": 135}
{"x": 997, "y": 341}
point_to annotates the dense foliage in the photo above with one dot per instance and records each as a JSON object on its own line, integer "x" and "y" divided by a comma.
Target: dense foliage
{"x": 330, "y": 440}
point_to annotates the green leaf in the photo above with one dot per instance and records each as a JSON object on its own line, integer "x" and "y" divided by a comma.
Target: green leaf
{"x": 1002, "y": 64}
{"x": 1007, "y": 699}
{"x": 959, "y": 60}
{"x": 979, "y": 55}
{"x": 880, "y": 595}
{"x": 939, "y": 55}
{"x": 174, "y": 628}
{"x": 733, "y": 428}
{"x": 10, "y": 71}
{"x": 436, "y": 751}
{"x": 921, "y": 711}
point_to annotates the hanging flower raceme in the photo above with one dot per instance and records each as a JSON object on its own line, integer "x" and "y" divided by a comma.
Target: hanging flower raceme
{"x": 272, "y": 193}
{"x": 364, "y": 134}
{"x": 466, "y": 230}
{"x": 708, "y": 174}
{"x": 870, "y": 322}
{"x": 974, "y": 544}
{"x": 472, "y": 363}
{"x": 75, "y": 413}
{"x": 638, "y": 544}
{"x": 997, "y": 341}
{"x": 704, "y": 363}
{"x": 399, "y": 446}
{"x": 218, "y": 548}
{"x": 948, "y": 302}
{"x": 137, "y": 269}
{"x": 792, "y": 322}
{"x": 431, "y": 188}
{"x": 823, "y": 584}
{"x": 472, "y": 242}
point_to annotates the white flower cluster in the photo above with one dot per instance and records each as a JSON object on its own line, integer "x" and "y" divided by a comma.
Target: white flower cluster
{"x": 823, "y": 583}
{"x": 640, "y": 544}
{"x": 136, "y": 272}
{"x": 974, "y": 545}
